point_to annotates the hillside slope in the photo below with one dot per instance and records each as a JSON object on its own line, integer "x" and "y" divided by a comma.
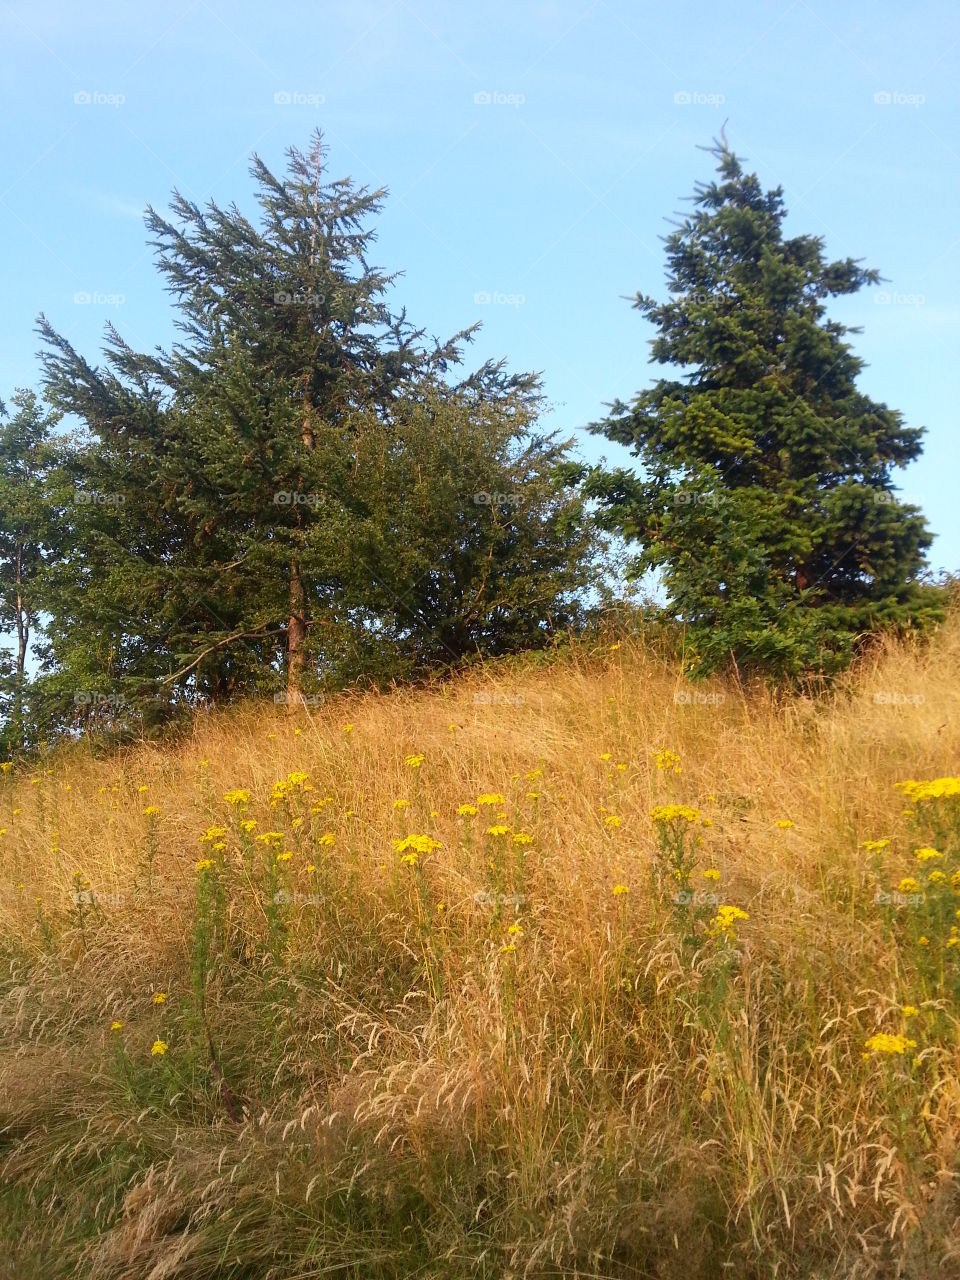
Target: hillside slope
{"x": 450, "y": 982}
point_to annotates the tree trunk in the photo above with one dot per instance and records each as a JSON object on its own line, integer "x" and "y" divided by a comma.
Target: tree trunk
{"x": 297, "y": 626}
{"x": 296, "y": 636}
{"x": 24, "y": 619}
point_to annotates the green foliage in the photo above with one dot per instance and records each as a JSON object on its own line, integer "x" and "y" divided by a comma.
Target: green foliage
{"x": 29, "y": 537}
{"x": 289, "y": 497}
{"x": 765, "y": 499}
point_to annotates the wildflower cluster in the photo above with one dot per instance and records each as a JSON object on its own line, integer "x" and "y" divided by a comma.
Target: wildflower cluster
{"x": 667, "y": 760}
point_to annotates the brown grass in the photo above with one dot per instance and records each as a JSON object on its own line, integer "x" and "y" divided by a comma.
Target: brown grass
{"x": 623, "y": 1095}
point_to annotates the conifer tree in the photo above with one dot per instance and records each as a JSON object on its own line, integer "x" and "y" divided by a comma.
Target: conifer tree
{"x": 241, "y": 545}
{"x": 765, "y": 496}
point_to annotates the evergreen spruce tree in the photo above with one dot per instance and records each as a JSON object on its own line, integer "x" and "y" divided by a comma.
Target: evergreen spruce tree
{"x": 765, "y": 496}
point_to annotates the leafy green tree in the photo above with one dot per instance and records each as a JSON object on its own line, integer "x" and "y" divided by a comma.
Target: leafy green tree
{"x": 764, "y": 497}
{"x": 231, "y": 530}
{"x": 29, "y": 535}
{"x": 475, "y": 547}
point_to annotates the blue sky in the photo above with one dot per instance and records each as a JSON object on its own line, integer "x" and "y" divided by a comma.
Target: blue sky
{"x": 547, "y": 193}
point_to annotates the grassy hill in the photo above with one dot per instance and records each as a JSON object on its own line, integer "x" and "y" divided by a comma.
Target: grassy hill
{"x": 449, "y": 983}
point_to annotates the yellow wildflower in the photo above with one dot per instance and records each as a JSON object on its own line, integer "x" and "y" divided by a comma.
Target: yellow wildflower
{"x": 926, "y": 854}
{"x": 938, "y": 788}
{"x": 401, "y": 804}
{"x": 612, "y": 820}
{"x": 238, "y": 796}
{"x": 883, "y": 1043}
{"x": 415, "y": 761}
{"x": 467, "y": 810}
{"x": 726, "y": 918}
{"x": 908, "y": 885}
{"x": 666, "y": 759}
{"x": 874, "y": 846}
{"x": 420, "y": 843}
{"x": 116, "y": 1026}
{"x": 328, "y": 838}
{"x": 151, "y": 811}
{"x": 521, "y": 837}
{"x": 711, "y": 874}
{"x": 159, "y": 1048}
{"x": 783, "y": 823}
{"x": 493, "y": 797}
{"x": 160, "y": 997}
{"x": 672, "y": 812}
{"x": 204, "y": 864}
{"x": 620, "y": 889}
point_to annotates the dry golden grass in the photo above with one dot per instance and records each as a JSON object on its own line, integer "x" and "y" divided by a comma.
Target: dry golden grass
{"x": 624, "y": 1094}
